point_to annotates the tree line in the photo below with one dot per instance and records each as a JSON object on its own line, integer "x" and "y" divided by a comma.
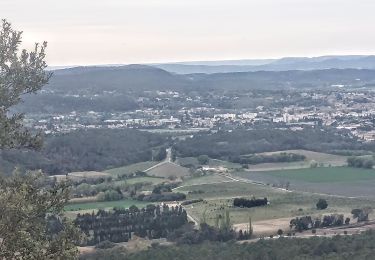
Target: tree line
{"x": 249, "y": 203}
{"x": 267, "y": 158}
{"x": 119, "y": 224}
{"x": 307, "y": 222}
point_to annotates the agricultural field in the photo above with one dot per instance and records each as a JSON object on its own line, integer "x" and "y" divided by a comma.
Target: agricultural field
{"x": 283, "y": 204}
{"x": 153, "y": 180}
{"x": 344, "y": 181}
{"x": 207, "y": 179}
{"x": 333, "y": 174}
{"x": 104, "y": 205}
{"x": 225, "y": 164}
{"x": 168, "y": 169}
{"x": 211, "y": 163}
{"x": 142, "y": 166}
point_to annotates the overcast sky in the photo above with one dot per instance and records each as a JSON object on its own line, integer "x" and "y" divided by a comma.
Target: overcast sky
{"x": 139, "y": 31}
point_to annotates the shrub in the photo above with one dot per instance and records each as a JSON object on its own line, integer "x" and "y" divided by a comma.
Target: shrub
{"x": 322, "y": 204}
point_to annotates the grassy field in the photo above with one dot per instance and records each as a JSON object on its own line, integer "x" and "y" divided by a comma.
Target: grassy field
{"x": 282, "y": 204}
{"x": 142, "y": 166}
{"x": 325, "y": 174}
{"x": 153, "y": 180}
{"x": 212, "y": 178}
{"x": 343, "y": 181}
{"x": 168, "y": 169}
{"x": 104, "y": 205}
{"x": 226, "y": 164}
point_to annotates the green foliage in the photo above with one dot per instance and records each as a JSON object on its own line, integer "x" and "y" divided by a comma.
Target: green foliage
{"x": 118, "y": 224}
{"x": 203, "y": 159}
{"x": 109, "y": 195}
{"x": 307, "y": 222}
{"x": 231, "y": 144}
{"x": 317, "y": 248}
{"x": 21, "y": 72}
{"x": 32, "y": 225}
{"x": 87, "y": 150}
{"x": 321, "y": 204}
{"x": 28, "y": 208}
{"x": 361, "y": 214}
{"x": 358, "y": 162}
{"x": 272, "y": 158}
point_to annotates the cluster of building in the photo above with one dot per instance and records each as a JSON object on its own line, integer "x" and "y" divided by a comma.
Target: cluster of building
{"x": 354, "y": 111}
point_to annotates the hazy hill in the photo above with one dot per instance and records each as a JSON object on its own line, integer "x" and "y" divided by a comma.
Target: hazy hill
{"x": 117, "y": 88}
{"x": 301, "y": 63}
{"x": 140, "y": 77}
{"x": 131, "y": 77}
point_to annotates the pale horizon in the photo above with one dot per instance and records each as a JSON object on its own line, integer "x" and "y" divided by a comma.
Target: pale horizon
{"x": 84, "y": 32}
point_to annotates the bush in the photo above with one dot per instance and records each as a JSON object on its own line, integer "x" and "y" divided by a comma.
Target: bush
{"x": 322, "y": 204}
{"x": 203, "y": 159}
{"x": 109, "y": 195}
{"x": 246, "y": 203}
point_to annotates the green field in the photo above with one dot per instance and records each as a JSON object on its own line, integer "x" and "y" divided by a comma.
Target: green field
{"x": 142, "y": 166}
{"x": 325, "y": 174}
{"x": 105, "y": 205}
{"x": 168, "y": 169}
{"x": 212, "y": 178}
{"x": 282, "y": 204}
{"x": 153, "y": 180}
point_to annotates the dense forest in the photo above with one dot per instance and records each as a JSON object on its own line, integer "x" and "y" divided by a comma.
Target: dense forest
{"x": 338, "y": 247}
{"x": 119, "y": 224}
{"x": 231, "y": 144}
{"x": 95, "y": 149}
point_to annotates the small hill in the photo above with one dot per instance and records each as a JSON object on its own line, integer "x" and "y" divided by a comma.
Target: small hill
{"x": 130, "y": 77}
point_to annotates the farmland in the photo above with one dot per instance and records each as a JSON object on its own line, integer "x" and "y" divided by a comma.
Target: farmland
{"x": 142, "y": 166}
{"x": 343, "y": 181}
{"x": 168, "y": 169}
{"x": 334, "y": 174}
{"x": 104, "y": 205}
{"x": 283, "y": 204}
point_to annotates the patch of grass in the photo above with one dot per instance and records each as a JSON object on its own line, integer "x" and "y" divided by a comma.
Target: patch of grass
{"x": 105, "y": 205}
{"x": 142, "y": 166}
{"x": 226, "y": 164}
{"x": 153, "y": 180}
{"x": 212, "y": 178}
{"x": 324, "y": 174}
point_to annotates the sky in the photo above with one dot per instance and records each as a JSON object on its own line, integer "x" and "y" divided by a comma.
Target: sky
{"x": 87, "y": 32}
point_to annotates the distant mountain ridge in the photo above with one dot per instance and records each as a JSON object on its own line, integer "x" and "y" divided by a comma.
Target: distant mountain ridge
{"x": 283, "y": 64}
{"x": 148, "y": 78}
{"x": 251, "y": 65}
